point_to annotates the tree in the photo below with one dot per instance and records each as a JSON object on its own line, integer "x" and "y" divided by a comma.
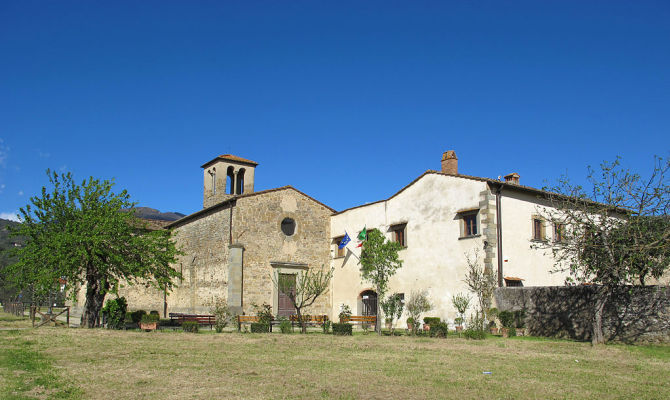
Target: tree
{"x": 482, "y": 282}
{"x": 417, "y": 304}
{"x": 79, "y": 234}
{"x": 614, "y": 234}
{"x": 379, "y": 262}
{"x": 393, "y": 307}
{"x": 309, "y": 285}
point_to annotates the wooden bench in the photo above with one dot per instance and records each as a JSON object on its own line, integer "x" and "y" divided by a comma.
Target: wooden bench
{"x": 362, "y": 320}
{"x": 313, "y": 320}
{"x": 201, "y": 319}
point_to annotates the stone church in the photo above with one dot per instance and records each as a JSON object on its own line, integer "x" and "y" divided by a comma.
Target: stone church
{"x": 238, "y": 241}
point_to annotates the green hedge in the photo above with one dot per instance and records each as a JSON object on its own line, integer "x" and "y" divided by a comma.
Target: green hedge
{"x": 439, "y": 329}
{"x": 431, "y": 320}
{"x": 474, "y": 334}
{"x": 342, "y": 329}
{"x": 190, "y": 326}
{"x": 285, "y": 326}
{"x": 260, "y": 327}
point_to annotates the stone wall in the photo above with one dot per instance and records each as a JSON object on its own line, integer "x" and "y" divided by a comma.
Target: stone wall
{"x": 257, "y": 227}
{"x": 636, "y": 314}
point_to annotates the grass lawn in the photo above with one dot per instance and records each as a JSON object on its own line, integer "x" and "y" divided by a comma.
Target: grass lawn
{"x": 101, "y": 364}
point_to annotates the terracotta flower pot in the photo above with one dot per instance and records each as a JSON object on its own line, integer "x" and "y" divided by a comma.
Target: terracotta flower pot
{"x": 426, "y": 327}
{"x": 521, "y": 331}
{"x": 459, "y": 329}
{"x": 505, "y": 332}
{"x": 149, "y": 326}
{"x": 494, "y": 331}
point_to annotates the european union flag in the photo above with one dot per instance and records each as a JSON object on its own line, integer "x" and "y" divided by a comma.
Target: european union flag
{"x": 346, "y": 239}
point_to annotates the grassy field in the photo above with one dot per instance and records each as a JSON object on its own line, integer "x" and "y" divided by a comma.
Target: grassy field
{"x": 100, "y": 364}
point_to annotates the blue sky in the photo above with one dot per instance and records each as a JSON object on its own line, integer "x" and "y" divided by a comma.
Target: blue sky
{"x": 346, "y": 101}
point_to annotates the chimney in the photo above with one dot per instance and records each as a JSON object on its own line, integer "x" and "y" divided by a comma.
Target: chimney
{"x": 512, "y": 178}
{"x": 450, "y": 163}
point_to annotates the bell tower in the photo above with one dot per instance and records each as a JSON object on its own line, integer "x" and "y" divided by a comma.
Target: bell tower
{"x": 227, "y": 176}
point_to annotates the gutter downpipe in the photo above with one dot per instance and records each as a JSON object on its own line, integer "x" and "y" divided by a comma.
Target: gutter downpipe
{"x": 499, "y": 234}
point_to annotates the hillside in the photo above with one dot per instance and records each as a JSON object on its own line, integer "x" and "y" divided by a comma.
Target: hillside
{"x": 152, "y": 213}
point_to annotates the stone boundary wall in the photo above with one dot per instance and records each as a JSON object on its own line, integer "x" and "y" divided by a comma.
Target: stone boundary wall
{"x": 636, "y": 313}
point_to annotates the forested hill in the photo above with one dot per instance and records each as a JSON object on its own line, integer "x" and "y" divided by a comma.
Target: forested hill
{"x": 5, "y": 241}
{"x": 151, "y": 213}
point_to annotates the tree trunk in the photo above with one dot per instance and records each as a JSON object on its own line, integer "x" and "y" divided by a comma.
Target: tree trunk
{"x": 303, "y": 325}
{"x": 597, "y": 336}
{"x": 95, "y": 297}
{"x": 378, "y": 324}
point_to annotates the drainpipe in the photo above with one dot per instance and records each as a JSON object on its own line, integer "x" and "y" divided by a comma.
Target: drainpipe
{"x": 499, "y": 234}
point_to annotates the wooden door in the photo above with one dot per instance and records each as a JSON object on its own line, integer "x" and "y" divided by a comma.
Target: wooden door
{"x": 284, "y": 306}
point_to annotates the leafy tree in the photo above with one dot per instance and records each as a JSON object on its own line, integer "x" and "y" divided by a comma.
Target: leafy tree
{"x": 309, "y": 285}
{"x": 461, "y": 302}
{"x": 482, "y": 282}
{"x": 393, "y": 308}
{"x": 77, "y": 232}
{"x": 417, "y": 304}
{"x": 379, "y": 262}
{"x": 614, "y": 233}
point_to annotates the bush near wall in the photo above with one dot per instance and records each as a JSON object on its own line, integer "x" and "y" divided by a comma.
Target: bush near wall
{"x": 259, "y": 327}
{"x": 342, "y": 329}
{"x": 438, "y": 329}
{"x": 190, "y": 326}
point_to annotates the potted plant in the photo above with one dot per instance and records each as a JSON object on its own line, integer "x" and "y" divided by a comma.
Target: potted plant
{"x": 492, "y": 315}
{"x": 520, "y": 322}
{"x": 345, "y": 313}
{"x": 428, "y": 321}
{"x": 459, "y": 324}
{"x": 149, "y": 322}
{"x": 507, "y": 321}
{"x": 410, "y": 324}
{"x": 461, "y": 302}
{"x": 493, "y": 328}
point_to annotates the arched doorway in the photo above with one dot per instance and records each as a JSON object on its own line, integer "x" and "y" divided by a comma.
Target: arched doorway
{"x": 367, "y": 304}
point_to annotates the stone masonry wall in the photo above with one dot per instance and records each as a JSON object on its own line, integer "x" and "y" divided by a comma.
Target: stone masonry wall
{"x": 257, "y": 226}
{"x": 636, "y": 314}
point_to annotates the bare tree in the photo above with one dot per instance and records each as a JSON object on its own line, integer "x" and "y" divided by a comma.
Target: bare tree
{"x": 309, "y": 285}
{"x": 481, "y": 281}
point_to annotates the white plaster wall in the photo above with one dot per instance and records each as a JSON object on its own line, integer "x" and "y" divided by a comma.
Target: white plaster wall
{"x": 434, "y": 258}
{"x": 522, "y": 257}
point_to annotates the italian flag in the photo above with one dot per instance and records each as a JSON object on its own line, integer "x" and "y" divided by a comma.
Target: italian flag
{"x": 362, "y": 237}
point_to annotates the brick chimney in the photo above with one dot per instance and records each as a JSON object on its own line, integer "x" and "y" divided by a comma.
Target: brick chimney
{"x": 450, "y": 162}
{"x": 512, "y": 178}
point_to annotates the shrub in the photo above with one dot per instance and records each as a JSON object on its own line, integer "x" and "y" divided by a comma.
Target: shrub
{"x": 506, "y": 318}
{"x": 476, "y": 334}
{"x": 326, "y": 326}
{"x": 342, "y": 329}
{"x": 190, "y": 326}
{"x": 136, "y": 316}
{"x": 431, "y": 320}
{"x": 150, "y": 318}
{"x": 154, "y": 312}
{"x": 512, "y": 332}
{"x": 264, "y": 313}
{"x": 167, "y": 322}
{"x": 438, "y": 329}
{"x": 222, "y": 314}
{"x": 285, "y": 326}
{"x": 345, "y": 313}
{"x": 116, "y": 312}
{"x": 260, "y": 327}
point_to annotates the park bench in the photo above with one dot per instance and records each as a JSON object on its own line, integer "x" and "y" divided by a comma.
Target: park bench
{"x": 252, "y": 319}
{"x": 363, "y": 320}
{"x": 201, "y": 319}
{"x": 313, "y": 320}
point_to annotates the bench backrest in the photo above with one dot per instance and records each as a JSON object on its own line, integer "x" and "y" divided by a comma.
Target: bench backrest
{"x": 310, "y": 318}
{"x": 246, "y": 319}
{"x": 364, "y": 319}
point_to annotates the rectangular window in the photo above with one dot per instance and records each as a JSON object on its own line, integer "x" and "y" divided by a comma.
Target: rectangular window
{"x": 511, "y": 281}
{"x": 398, "y": 234}
{"x": 558, "y": 232}
{"x": 538, "y": 229}
{"x": 339, "y": 252}
{"x": 469, "y": 223}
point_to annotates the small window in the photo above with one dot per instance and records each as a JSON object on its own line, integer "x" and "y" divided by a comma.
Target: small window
{"x": 339, "y": 252}
{"x": 469, "y": 224}
{"x": 398, "y": 233}
{"x": 559, "y": 230}
{"x": 512, "y": 281}
{"x": 288, "y": 226}
{"x": 538, "y": 229}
